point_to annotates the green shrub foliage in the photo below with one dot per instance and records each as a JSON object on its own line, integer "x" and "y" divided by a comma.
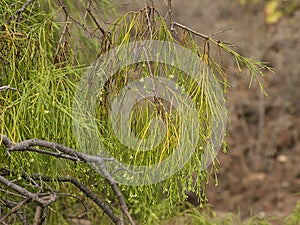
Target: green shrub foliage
{"x": 46, "y": 48}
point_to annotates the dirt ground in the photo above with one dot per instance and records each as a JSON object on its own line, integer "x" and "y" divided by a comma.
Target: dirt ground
{"x": 260, "y": 174}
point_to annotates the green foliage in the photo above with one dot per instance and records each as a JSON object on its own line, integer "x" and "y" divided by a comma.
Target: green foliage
{"x": 47, "y": 71}
{"x": 42, "y": 107}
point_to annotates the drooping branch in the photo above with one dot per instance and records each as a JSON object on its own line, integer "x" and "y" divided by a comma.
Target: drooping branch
{"x": 40, "y": 215}
{"x": 103, "y": 205}
{"x": 20, "y": 214}
{"x": 62, "y": 43}
{"x": 15, "y": 210}
{"x": 170, "y": 14}
{"x": 33, "y": 196}
{"x": 191, "y": 30}
{"x": 27, "y": 145}
{"x": 8, "y": 87}
{"x": 88, "y": 9}
{"x": 20, "y": 11}
{"x": 203, "y": 36}
{"x": 64, "y": 179}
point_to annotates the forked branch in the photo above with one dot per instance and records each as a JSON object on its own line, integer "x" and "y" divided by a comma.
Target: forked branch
{"x": 65, "y": 152}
